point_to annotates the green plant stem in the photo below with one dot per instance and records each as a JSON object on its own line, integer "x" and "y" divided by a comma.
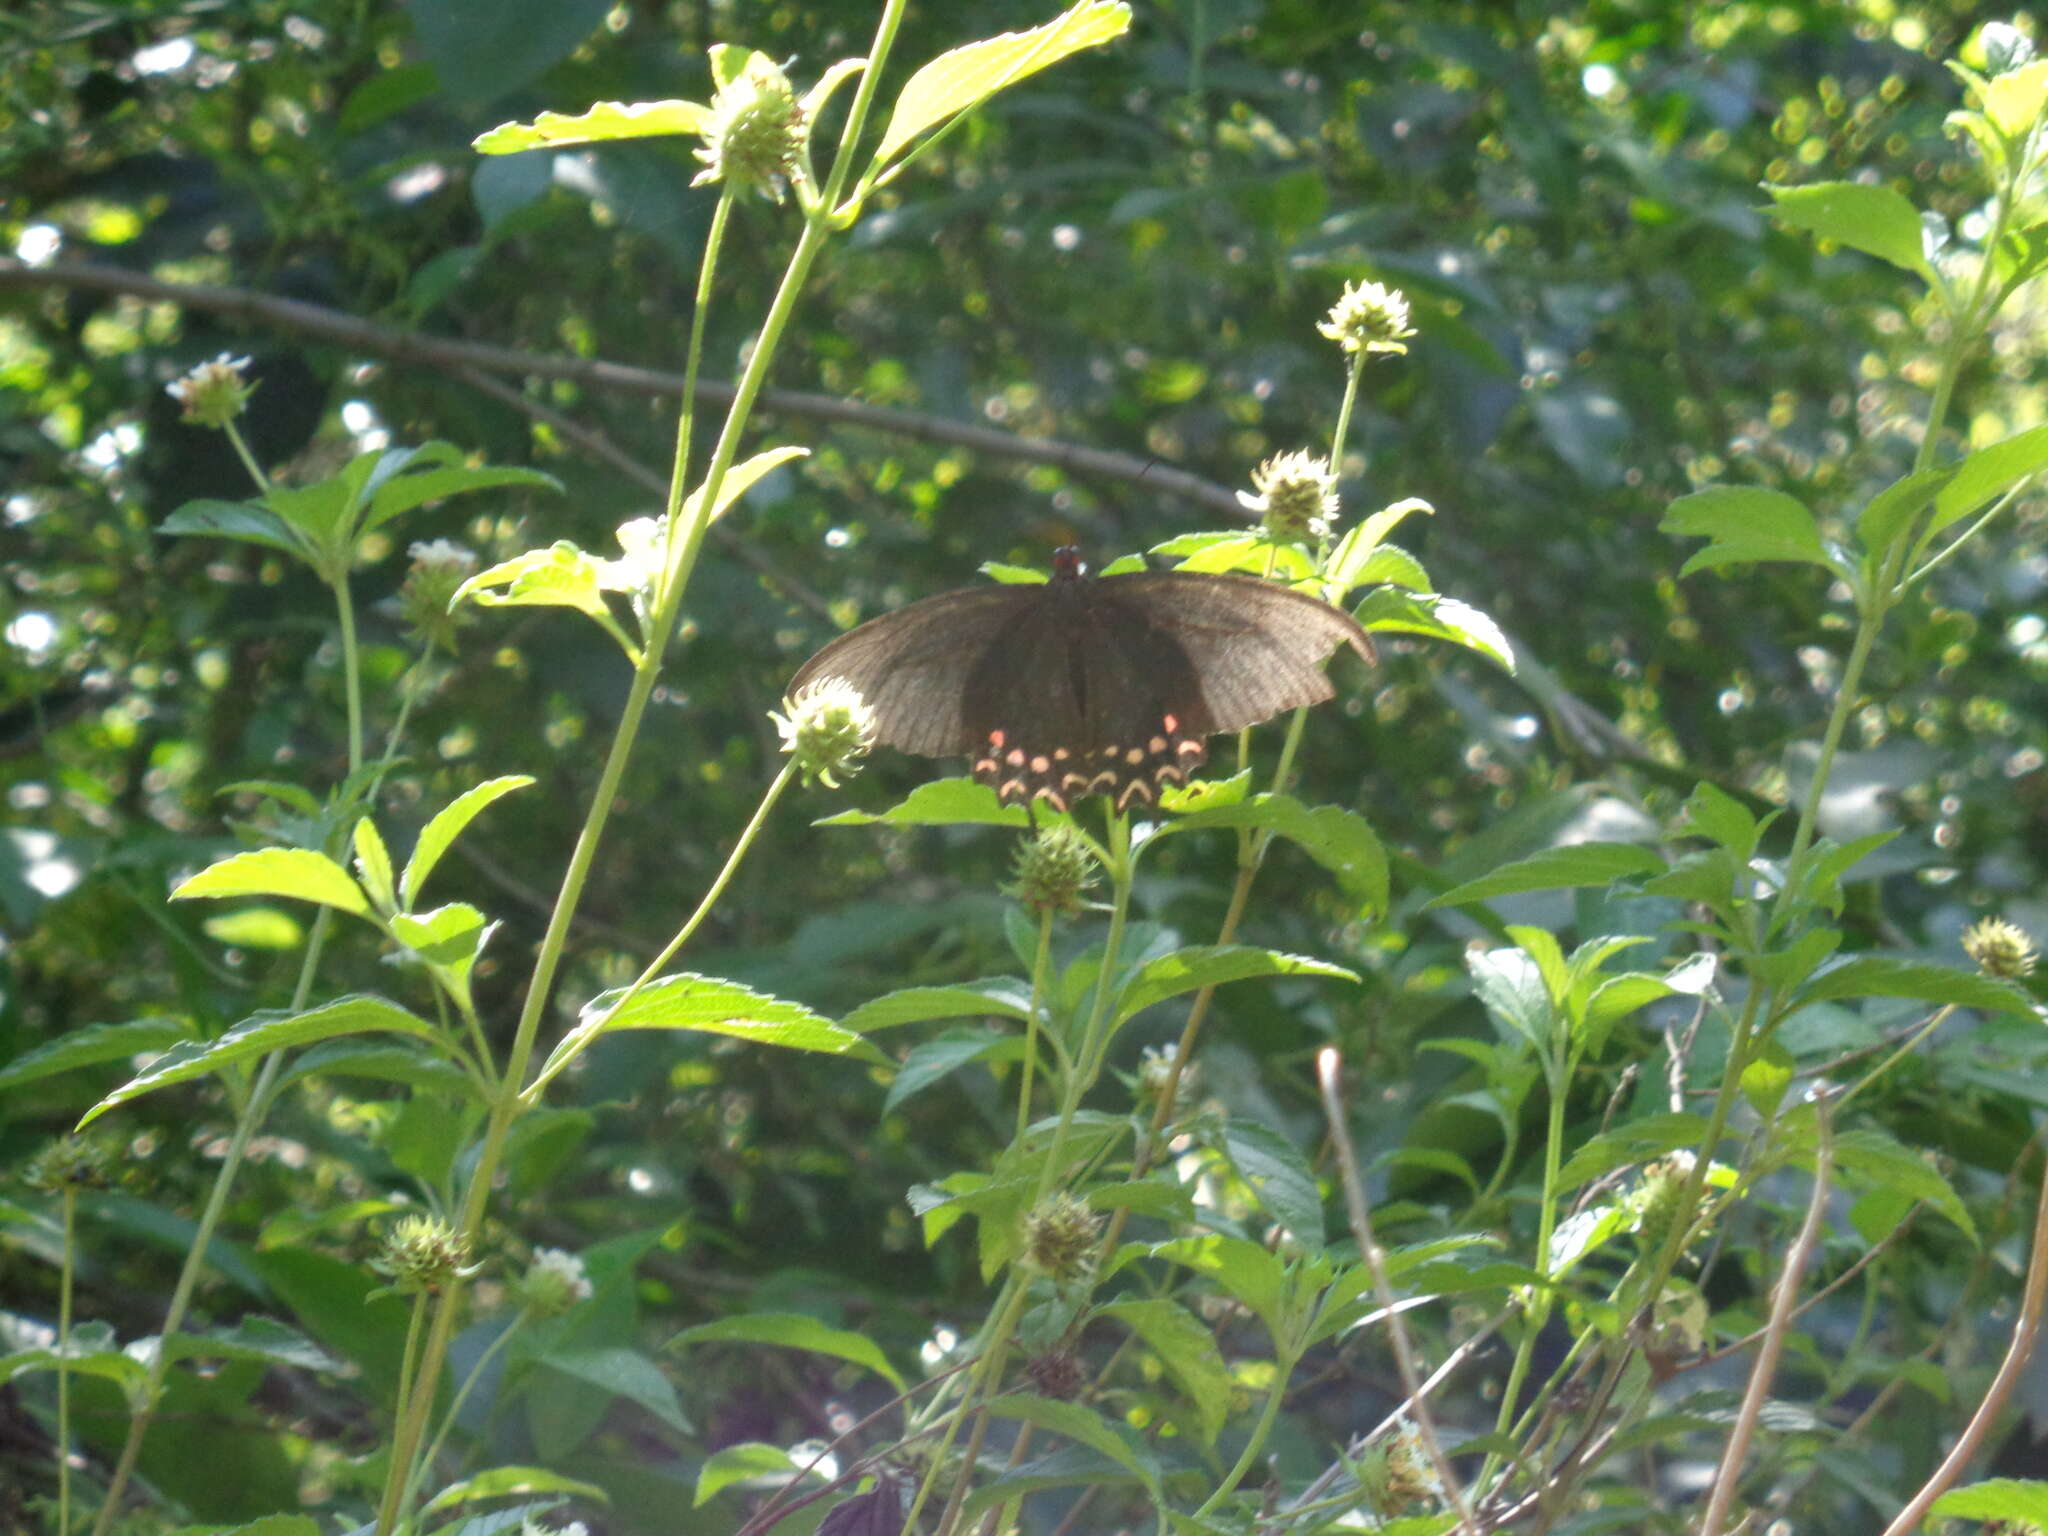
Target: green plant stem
{"x": 1254, "y": 1447}
{"x": 1095, "y": 1039}
{"x": 251, "y": 1114}
{"x": 1353, "y": 372}
{"x": 1040, "y": 965}
{"x": 686, "y": 414}
{"x": 234, "y": 436}
{"x": 352, "y": 681}
{"x": 64, "y": 1279}
{"x": 508, "y": 1103}
{"x": 1758, "y": 1390}
{"x": 1905, "y": 1047}
{"x": 483, "y": 1361}
{"x": 1536, "y": 1310}
{"x": 995, "y": 1344}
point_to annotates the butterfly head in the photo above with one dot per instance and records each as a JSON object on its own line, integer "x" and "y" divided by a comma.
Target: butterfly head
{"x": 1068, "y": 563}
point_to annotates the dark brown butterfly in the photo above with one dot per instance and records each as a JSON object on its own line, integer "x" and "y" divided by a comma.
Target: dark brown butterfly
{"x": 1088, "y": 685}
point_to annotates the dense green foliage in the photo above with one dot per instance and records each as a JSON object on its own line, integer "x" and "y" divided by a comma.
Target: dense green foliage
{"x": 1129, "y": 253}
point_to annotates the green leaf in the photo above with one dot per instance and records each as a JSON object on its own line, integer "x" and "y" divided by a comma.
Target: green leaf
{"x": 418, "y": 486}
{"x": 445, "y": 825}
{"x": 1341, "y": 841}
{"x": 505, "y": 1482}
{"x": 560, "y": 576}
{"x": 740, "y": 479}
{"x": 1242, "y": 1268}
{"x": 448, "y": 939}
{"x": 793, "y": 1330}
{"x": 1511, "y": 985}
{"x": 933, "y": 1061}
{"x": 1389, "y": 609}
{"x": 1766, "y": 1077}
{"x": 243, "y": 521}
{"x": 1891, "y": 511}
{"x": 1189, "y": 970}
{"x": 940, "y": 803}
{"x": 1877, "y": 975}
{"x": 93, "y": 1044}
{"x": 254, "y": 1338}
{"x": 715, "y": 1006}
{"x": 1990, "y": 472}
{"x": 1875, "y": 1160}
{"x": 2013, "y": 100}
{"x": 743, "y": 1463}
{"x": 1355, "y": 551}
{"x": 605, "y": 121}
{"x": 1002, "y": 995}
{"x": 1575, "y": 864}
{"x": 1744, "y": 524}
{"x": 296, "y": 872}
{"x": 373, "y": 865}
{"x": 1187, "y": 1349}
{"x": 1637, "y": 1142}
{"x": 1279, "y": 1177}
{"x": 1715, "y": 814}
{"x": 963, "y": 78}
{"x": 262, "y": 1033}
{"x": 1874, "y": 220}
{"x": 1996, "y": 1498}
{"x": 624, "y": 1373}
{"x": 390, "y": 1061}
{"x": 1086, "y": 1427}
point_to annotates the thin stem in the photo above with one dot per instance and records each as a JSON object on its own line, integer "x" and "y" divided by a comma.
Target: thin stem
{"x": 1905, "y": 1048}
{"x": 1754, "y": 1396}
{"x": 585, "y": 1033}
{"x": 253, "y": 1109}
{"x": 987, "y": 1363}
{"x": 1040, "y": 966}
{"x": 1254, "y": 1447}
{"x": 1095, "y": 1040}
{"x": 248, "y": 459}
{"x": 2026, "y": 1332}
{"x": 352, "y": 681}
{"x": 1353, "y": 372}
{"x": 1328, "y": 1067}
{"x": 462, "y": 1392}
{"x": 686, "y": 416}
{"x": 64, "y": 1279}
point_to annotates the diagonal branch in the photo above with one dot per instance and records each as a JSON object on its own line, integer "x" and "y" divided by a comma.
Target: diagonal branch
{"x": 368, "y": 336}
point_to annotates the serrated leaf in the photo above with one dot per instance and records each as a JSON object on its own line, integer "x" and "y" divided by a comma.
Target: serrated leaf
{"x": 1351, "y": 560}
{"x": 624, "y": 1373}
{"x": 1990, "y": 471}
{"x": 1004, "y": 995}
{"x": 793, "y": 1330}
{"x": 714, "y": 1006}
{"x": 1279, "y": 1178}
{"x": 1888, "y": 514}
{"x": 254, "y": 1338}
{"x": 296, "y": 872}
{"x": 935, "y": 1060}
{"x": 1084, "y": 1426}
{"x": 1189, "y": 970}
{"x": 373, "y": 865}
{"x": 2014, "y": 99}
{"x": 1576, "y": 864}
{"x": 1745, "y": 524}
{"x": 1873, "y": 1157}
{"x": 609, "y": 119}
{"x": 446, "y": 824}
{"x": 262, "y": 1033}
{"x": 243, "y": 521}
{"x": 1715, "y": 814}
{"x": 1637, "y": 1142}
{"x": 1996, "y": 1498}
{"x": 1874, "y": 220}
{"x": 94, "y": 1044}
{"x": 1876, "y": 975}
{"x": 1391, "y": 610}
{"x": 963, "y": 78}
{"x": 940, "y": 803}
{"x": 741, "y": 478}
{"x": 1187, "y": 1349}
{"x": 1341, "y": 841}
{"x": 401, "y": 493}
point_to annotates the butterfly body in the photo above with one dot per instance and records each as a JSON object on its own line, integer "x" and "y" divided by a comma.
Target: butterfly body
{"x": 1088, "y": 685}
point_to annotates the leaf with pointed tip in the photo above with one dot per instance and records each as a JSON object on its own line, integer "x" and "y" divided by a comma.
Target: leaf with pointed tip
{"x": 295, "y": 872}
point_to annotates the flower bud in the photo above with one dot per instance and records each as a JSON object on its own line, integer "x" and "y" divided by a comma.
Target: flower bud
{"x": 755, "y": 139}
{"x": 1053, "y": 872}
{"x": 423, "y": 1253}
{"x": 69, "y": 1162}
{"x": 828, "y": 729}
{"x": 439, "y": 566}
{"x": 1296, "y": 496}
{"x": 554, "y": 1282}
{"x": 1368, "y": 318}
{"x": 215, "y": 393}
{"x": 1059, "y": 1238}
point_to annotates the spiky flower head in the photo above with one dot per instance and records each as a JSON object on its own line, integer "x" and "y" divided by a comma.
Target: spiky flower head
{"x": 1059, "y": 1237}
{"x": 755, "y": 139}
{"x": 1369, "y": 318}
{"x": 439, "y": 567}
{"x": 555, "y": 1281}
{"x": 1057, "y": 1374}
{"x": 1654, "y": 1201}
{"x": 69, "y": 1162}
{"x": 215, "y": 393}
{"x": 2000, "y": 948}
{"x": 828, "y": 728}
{"x": 1053, "y": 872}
{"x": 423, "y": 1253}
{"x": 1295, "y": 496}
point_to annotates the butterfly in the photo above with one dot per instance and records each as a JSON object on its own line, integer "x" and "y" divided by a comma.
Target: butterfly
{"x": 1088, "y": 685}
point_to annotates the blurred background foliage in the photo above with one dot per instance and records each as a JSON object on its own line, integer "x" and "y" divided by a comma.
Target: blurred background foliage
{"x": 1129, "y": 253}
